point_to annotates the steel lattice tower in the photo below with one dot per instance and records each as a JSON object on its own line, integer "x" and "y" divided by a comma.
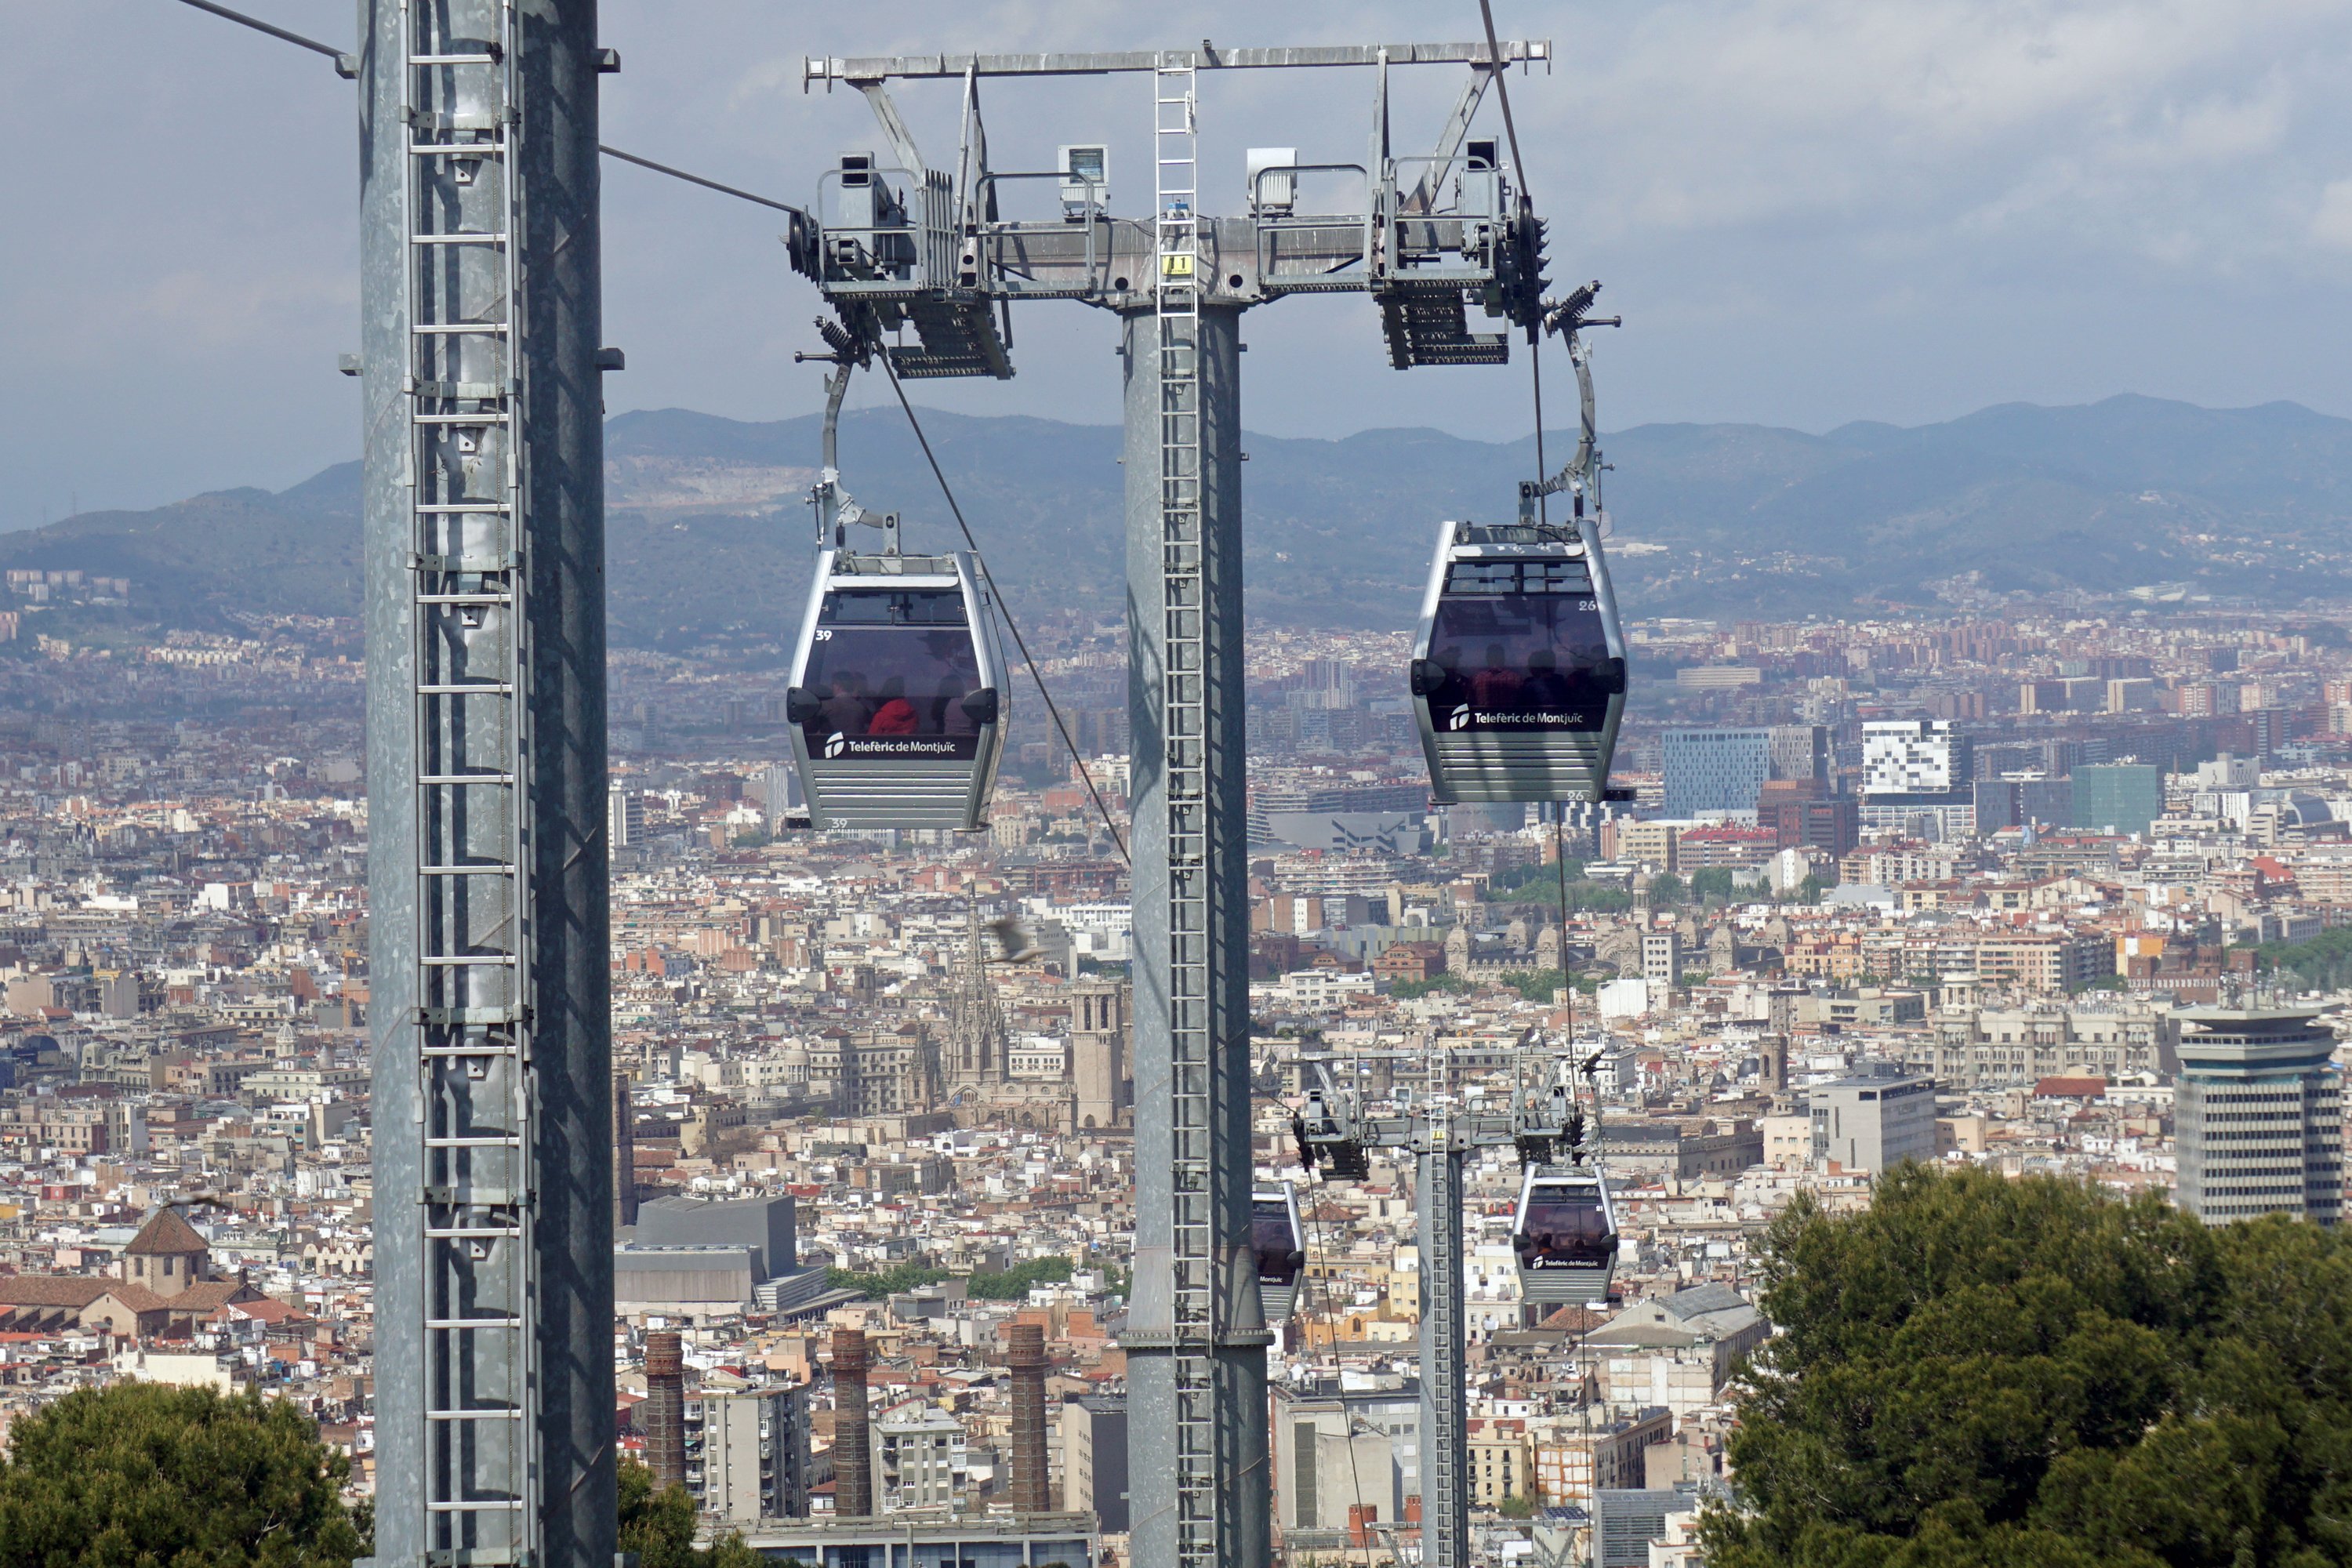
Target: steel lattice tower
{"x": 485, "y": 607}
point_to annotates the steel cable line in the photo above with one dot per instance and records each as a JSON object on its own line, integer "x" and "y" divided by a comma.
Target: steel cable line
{"x": 1535, "y": 364}
{"x": 346, "y": 65}
{"x": 1535, "y": 344}
{"x": 1503, "y": 91}
{"x": 1543, "y": 504}
{"x": 1036, "y": 676}
{"x": 281, "y": 34}
{"x": 1307, "y": 1221}
{"x": 693, "y": 179}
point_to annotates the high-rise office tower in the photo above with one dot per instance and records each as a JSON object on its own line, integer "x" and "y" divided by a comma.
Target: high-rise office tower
{"x": 1913, "y": 757}
{"x": 624, "y": 816}
{"x": 2257, "y": 1115}
{"x": 1715, "y": 769}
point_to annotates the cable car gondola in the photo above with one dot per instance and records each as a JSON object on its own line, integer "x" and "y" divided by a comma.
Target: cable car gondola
{"x": 897, "y": 707}
{"x": 1566, "y": 1237}
{"x": 1518, "y": 663}
{"x": 1280, "y": 1245}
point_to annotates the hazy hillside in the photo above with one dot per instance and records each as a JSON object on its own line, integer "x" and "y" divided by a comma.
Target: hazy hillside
{"x": 708, "y": 531}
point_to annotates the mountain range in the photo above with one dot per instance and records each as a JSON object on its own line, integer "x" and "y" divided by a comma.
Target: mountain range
{"x": 709, "y": 537}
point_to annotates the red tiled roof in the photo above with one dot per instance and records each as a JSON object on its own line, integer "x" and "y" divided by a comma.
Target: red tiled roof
{"x": 206, "y": 1294}
{"x": 74, "y": 1290}
{"x": 166, "y": 1233}
{"x": 2070, "y": 1088}
{"x": 138, "y": 1297}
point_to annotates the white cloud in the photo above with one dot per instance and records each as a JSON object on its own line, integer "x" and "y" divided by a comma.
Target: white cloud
{"x": 1809, "y": 210}
{"x": 2331, "y": 224}
{"x": 1997, "y": 118}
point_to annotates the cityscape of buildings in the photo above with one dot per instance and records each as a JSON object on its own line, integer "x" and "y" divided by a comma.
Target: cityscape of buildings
{"x": 2043, "y": 894}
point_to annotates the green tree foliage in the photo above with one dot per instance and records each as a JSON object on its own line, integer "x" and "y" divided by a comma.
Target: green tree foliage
{"x": 2323, "y": 964}
{"x": 141, "y": 1474}
{"x": 1538, "y": 881}
{"x": 891, "y": 1281}
{"x": 2035, "y": 1374}
{"x": 1534, "y": 984}
{"x": 1009, "y": 1285}
{"x": 1540, "y": 885}
{"x": 1666, "y": 890}
{"x": 1713, "y": 885}
{"x": 1409, "y": 989}
{"x": 659, "y": 1526}
{"x": 1013, "y": 1284}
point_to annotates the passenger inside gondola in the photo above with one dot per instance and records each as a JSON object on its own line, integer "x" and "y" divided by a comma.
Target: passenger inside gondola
{"x": 895, "y": 715}
{"x": 893, "y": 664}
{"x": 1544, "y": 658}
{"x": 1495, "y": 687}
{"x": 1565, "y": 1228}
{"x": 950, "y": 716}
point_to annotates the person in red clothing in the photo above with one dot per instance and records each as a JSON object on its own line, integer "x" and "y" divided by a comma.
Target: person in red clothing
{"x": 895, "y": 716}
{"x": 1496, "y": 688}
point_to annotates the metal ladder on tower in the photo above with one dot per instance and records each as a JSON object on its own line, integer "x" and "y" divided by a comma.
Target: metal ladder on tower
{"x": 1445, "y": 1445}
{"x": 471, "y": 755}
{"x": 1194, "y": 1109}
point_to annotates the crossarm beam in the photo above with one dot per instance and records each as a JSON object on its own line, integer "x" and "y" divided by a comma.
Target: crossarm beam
{"x": 857, "y": 70}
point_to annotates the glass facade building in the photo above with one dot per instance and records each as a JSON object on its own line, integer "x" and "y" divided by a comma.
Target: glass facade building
{"x": 2124, "y": 796}
{"x": 1715, "y": 769}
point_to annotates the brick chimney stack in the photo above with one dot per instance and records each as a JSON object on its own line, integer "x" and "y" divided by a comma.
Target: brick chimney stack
{"x": 852, "y": 1451}
{"x": 666, "y": 1409}
{"x": 1026, "y": 1355}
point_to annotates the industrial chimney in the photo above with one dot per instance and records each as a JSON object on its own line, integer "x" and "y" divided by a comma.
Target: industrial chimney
{"x": 666, "y": 1410}
{"x": 853, "y": 1453}
{"x": 1026, "y": 1354}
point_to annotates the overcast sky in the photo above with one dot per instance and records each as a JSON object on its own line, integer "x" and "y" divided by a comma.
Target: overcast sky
{"x": 1808, "y": 211}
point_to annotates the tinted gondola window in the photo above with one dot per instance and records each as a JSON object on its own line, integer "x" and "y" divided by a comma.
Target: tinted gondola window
{"x": 1278, "y": 1256}
{"x": 1565, "y": 1228}
{"x": 892, "y": 663}
{"x": 1518, "y": 644}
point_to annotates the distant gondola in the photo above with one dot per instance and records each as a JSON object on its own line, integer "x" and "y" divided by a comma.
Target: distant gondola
{"x": 1564, "y": 1238}
{"x": 1519, "y": 665}
{"x": 897, "y": 706}
{"x": 1281, "y": 1248}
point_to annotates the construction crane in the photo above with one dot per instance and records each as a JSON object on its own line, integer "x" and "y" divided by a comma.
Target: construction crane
{"x": 920, "y": 263}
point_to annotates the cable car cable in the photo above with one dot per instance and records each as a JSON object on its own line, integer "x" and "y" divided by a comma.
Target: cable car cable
{"x": 281, "y": 34}
{"x": 1511, "y": 131}
{"x": 693, "y": 179}
{"x": 1307, "y": 1224}
{"x": 1035, "y": 675}
{"x": 346, "y": 63}
{"x": 1535, "y": 368}
{"x": 1560, "y": 859}
{"x": 1503, "y": 92}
